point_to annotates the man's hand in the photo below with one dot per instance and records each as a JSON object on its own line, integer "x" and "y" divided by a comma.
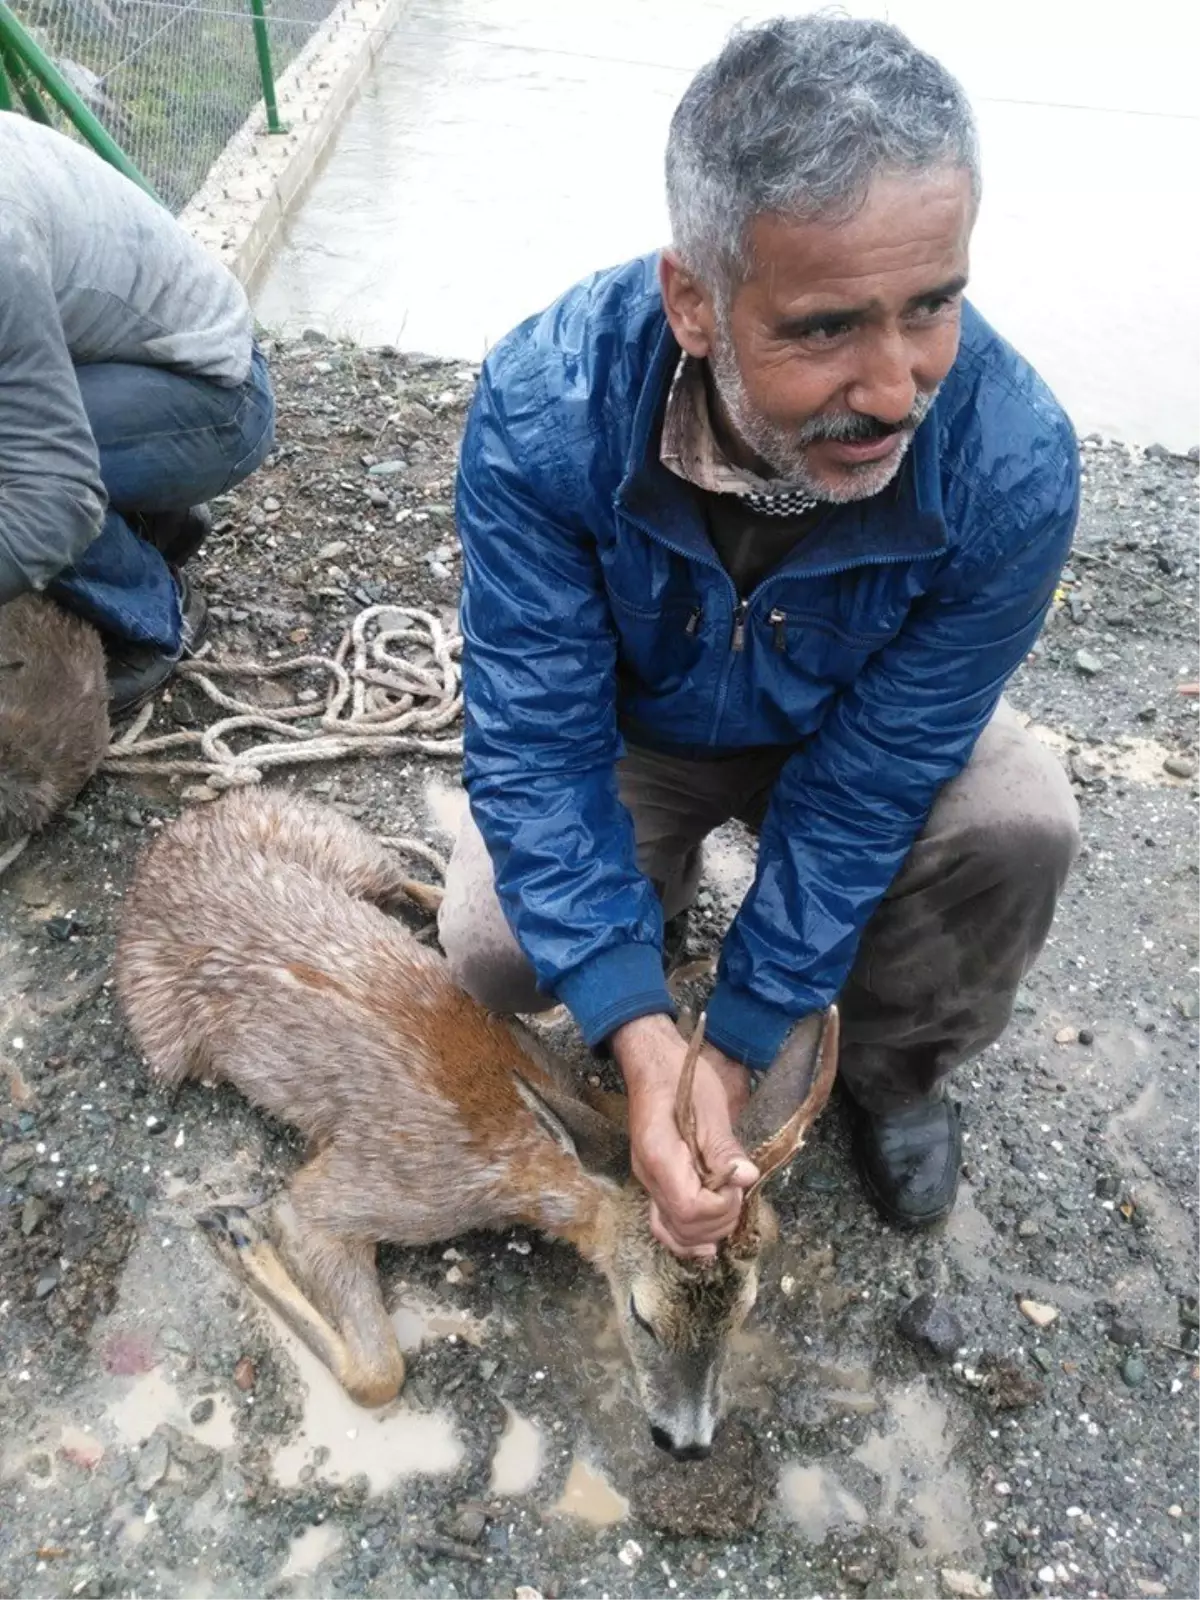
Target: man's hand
{"x": 688, "y": 1218}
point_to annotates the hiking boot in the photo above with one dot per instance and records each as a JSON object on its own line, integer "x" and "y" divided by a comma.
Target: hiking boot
{"x": 137, "y": 671}
{"x": 176, "y": 535}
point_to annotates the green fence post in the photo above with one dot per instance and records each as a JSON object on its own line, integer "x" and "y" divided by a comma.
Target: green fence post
{"x": 262, "y": 44}
{"x": 24, "y": 85}
{"x": 6, "y": 99}
{"x": 34, "y": 62}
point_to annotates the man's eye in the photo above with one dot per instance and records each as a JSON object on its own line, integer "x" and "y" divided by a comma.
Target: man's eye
{"x": 640, "y": 1319}
{"x": 934, "y": 308}
{"x": 826, "y": 333}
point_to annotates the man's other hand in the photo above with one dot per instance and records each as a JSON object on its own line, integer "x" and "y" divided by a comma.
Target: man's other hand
{"x": 685, "y": 1216}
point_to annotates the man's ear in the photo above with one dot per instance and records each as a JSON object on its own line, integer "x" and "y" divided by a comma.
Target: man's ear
{"x": 688, "y": 306}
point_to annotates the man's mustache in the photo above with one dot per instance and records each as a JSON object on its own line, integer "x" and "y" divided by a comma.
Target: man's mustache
{"x": 852, "y": 427}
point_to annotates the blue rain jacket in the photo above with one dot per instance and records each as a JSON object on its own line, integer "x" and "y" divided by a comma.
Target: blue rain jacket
{"x": 595, "y": 611}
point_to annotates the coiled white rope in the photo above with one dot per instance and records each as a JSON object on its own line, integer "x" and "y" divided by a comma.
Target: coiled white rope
{"x": 377, "y": 702}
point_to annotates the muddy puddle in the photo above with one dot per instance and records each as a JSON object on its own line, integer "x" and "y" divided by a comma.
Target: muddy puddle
{"x": 517, "y": 1463}
{"x": 589, "y": 1497}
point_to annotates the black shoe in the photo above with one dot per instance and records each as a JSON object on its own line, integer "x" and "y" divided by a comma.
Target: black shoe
{"x": 176, "y": 535}
{"x": 675, "y": 938}
{"x": 908, "y": 1160}
{"x": 137, "y": 671}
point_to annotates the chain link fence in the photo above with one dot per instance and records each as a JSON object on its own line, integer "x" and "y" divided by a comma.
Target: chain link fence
{"x": 171, "y": 80}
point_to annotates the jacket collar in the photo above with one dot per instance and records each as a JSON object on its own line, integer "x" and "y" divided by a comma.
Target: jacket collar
{"x": 905, "y": 522}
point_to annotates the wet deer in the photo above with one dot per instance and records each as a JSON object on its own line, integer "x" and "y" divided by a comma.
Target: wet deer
{"x": 53, "y": 712}
{"x": 256, "y": 949}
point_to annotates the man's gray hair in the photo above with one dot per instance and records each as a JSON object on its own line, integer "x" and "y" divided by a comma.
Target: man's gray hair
{"x": 795, "y": 117}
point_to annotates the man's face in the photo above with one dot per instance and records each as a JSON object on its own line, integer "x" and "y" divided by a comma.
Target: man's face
{"x": 834, "y": 346}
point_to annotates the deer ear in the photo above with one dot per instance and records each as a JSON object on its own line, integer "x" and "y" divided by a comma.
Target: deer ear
{"x": 792, "y": 1094}
{"x": 600, "y": 1145}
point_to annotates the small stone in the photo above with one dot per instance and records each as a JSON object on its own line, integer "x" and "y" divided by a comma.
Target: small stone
{"x": 438, "y": 569}
{"x": 388, "y": 469}
{"x": 1043, "y": 1359}
{"x": 1067, "y": 1036}
{"x": 962, "y": 1585}
{"x": 1124, "y": 1330}
{"x": 526, "y": 1591}
{"x": 1027, "y": 1228}
{"x": 202, "y": 1411}
{"x": 468, "y": 1524}
{"x": 926, "y": 1323}
{"x": 153, "y": 1460}
{"x": 61, "y": 928}
{"x": 330, "y": 551}
{"x": 1133, "y": 1371}
{"x": 1151, "y": 1587}
{"x": 1087, "y": 663}
{"x": 46, "y": 1284}
{"x": 630, "y": 1553}
{"x": 1037, "y": 1312}
{"x": 271, "y": 504}
{"x": 1180, "y": 766}
{"x": 1086, "y": 1036}
{"x": 32, "y": 1213}
{"x": 1046, "y": 1574}
{"x": 244, "y": 1374}
{"x": 1175, "y": 1511}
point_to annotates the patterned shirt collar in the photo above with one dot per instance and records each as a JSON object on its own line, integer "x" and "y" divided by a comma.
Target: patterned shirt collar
{"x": 689, "y": 448}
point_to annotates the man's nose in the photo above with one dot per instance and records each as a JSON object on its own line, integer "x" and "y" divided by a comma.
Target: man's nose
{"x": 884, "y": 386}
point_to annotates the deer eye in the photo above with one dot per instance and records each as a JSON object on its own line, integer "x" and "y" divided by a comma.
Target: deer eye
{"x": 640, "y": 1319}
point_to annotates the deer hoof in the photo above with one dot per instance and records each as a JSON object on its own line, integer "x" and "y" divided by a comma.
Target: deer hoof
{"x": 230, "y": 1228}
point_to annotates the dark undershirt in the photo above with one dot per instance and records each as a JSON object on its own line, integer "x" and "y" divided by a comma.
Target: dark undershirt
{"x": 750, "y": 545}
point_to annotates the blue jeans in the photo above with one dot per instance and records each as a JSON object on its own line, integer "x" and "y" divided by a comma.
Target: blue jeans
{"x": 166, "y": 442}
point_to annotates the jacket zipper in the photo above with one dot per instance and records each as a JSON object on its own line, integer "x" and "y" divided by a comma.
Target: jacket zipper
{"x": 778, "y": 621}
{"x": 743, "y": 606}
{"x": 695, "y": 617}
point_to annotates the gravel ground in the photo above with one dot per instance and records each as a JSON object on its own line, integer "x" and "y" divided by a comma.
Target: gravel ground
{"x": 899, "y": 1424}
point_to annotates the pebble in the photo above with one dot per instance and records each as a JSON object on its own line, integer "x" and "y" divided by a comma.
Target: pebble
{"x": 630, "y": 1553}
{"x": 1133, "y": 1371}
{"x": 330, "y": 551}
{"x": 1067, "y": 1036}
{"x": 526, "y": 1591}
{"x": 202, "y": 1411}
{"x": 46, "y": 1284}
{"x": 926, "y": 1322}
{"x": 1043, "y": 1359}
{"x": 244, "y": 1374}
{"x": 389, "y": 468}
{"x": 1086, "y": 1036}
{"x": 962, "y": 1585}
{"x": 1180, "y": 766}
{"x": 1027, "y": 1228}
{"x": 1037, "y": 1312}
{"x": 1124, "y": 1330}
{"x": 1087, "y": 663}
{"x": 153, "y": 1460}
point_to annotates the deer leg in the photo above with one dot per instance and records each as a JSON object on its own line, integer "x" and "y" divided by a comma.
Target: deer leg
{"x": 252, "y": 1257}
{"x": 341, "y": 1274}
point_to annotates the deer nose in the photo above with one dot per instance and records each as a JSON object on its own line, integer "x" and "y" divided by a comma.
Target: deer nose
{"x": 680, "y": 1452}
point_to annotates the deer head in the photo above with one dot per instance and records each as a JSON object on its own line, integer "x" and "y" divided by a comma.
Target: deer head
{"x": 677, "y": 1317}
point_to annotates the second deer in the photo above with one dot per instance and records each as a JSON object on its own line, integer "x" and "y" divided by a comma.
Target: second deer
{"x": 256, "y": 949}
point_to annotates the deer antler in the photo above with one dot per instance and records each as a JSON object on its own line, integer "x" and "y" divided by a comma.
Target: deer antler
{"x": 685, "y": 1105}
{"x": 685, "y": 1110}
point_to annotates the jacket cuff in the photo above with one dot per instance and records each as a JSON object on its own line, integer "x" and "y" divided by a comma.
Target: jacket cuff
{"x": 621, "y": 983}
{"x": 746, "y": 1028}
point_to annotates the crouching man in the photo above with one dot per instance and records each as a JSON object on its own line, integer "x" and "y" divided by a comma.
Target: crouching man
{"x": 758, "y": 528}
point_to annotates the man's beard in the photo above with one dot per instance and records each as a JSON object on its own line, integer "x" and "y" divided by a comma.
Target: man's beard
{"x": 784, "y": 450}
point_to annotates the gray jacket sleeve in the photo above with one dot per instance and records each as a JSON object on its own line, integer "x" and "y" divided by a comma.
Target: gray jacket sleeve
{"x": 52, "y": 499}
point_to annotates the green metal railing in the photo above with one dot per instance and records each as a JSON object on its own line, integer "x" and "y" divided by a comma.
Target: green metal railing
{"x": 156, "y": 87}
{"x": 29, "y": 70}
